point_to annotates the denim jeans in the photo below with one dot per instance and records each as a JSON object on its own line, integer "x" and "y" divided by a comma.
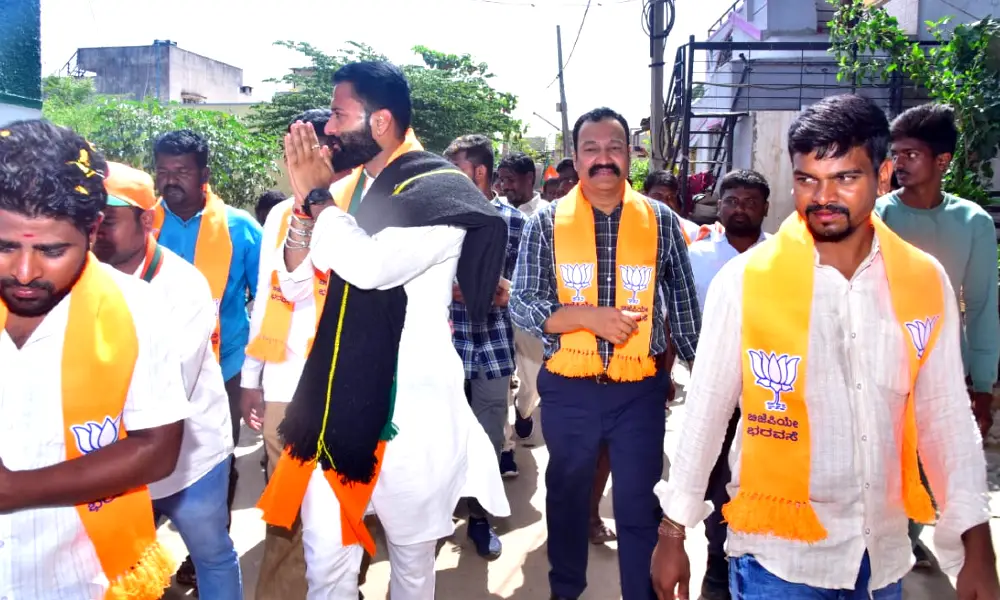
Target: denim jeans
{"x": 748, "y": 580}
{"x": 200, "y": 514}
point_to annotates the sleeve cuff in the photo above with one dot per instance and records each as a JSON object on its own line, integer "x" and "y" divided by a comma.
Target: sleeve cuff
{"x": 251, "y": 374}
{"x": 303, "y": 272}
{"x": 165, "y": 414}
{"x": 980, "y": 386}
{"x": 684, "y": 509}
{"x": 962, "y": 513}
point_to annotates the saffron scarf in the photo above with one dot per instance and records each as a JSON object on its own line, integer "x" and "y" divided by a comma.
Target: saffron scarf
{"x": 703, "y": 232}
{"x": 777, "y": 301}
{"x": 99, "y": 354}
{"x": 576, "y": 280}
{"x": 213, "y": 253}
{"x": 341, "y": 414}
{"x": 271, "y": 343}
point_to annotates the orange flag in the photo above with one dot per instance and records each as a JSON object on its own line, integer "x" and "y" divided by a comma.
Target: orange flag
{"x": 550, "y": 173}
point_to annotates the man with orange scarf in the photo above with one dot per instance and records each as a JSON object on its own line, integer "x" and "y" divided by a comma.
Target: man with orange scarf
{"x": 389, "y": 240}
{"x": 596, "y": 271}
{"x": 224, "y": 244}
{"x": 839, "y": 341}
{"x": 91, "y": 400}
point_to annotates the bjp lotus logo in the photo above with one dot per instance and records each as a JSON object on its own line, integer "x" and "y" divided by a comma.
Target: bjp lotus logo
{"x": 93, "y": 436}
{"x": 577, "y": 277}
{"x": 774, "y": 373}
{"x": 920, "y": 333}
{"x": 635, "y": 280}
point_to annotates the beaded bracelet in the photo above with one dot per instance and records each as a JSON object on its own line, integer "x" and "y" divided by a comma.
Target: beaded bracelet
{"x": 296, "y": 244}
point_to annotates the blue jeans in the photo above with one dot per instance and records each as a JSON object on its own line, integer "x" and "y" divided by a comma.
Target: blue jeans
{"x": 748, "y": 580}
{"x": 201, "y": 514}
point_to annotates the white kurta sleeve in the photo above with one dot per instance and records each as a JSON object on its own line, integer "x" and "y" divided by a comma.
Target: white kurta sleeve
{"x": 386, "y": 260}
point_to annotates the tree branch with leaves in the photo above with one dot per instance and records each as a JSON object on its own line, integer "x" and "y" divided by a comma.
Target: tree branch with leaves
{"x": 962, "y": 69}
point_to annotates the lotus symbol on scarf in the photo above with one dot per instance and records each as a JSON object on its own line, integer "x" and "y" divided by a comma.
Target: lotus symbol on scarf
{"x": 775, "y": 373}
{"x": 93, "y": 436}
{"x": 635, "y": 280}
{"x": 920, "y": 333}
{"x": 577, "y": 277}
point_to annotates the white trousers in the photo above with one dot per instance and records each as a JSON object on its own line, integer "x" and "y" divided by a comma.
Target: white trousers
{"x": 332, "y": 569}
{"x": 528, "y": 359}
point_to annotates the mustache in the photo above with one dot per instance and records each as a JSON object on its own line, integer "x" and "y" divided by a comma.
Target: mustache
{"x": 169, "y": 188}
{"x": 9, "y": 283}
{"x": 834, "y": 208}
{"x": 611, "y": 166}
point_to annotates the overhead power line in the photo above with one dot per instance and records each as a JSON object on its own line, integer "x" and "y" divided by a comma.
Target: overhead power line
{"x": 586, "y": 11}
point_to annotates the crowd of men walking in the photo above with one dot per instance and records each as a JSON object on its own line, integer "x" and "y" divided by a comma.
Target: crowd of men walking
{"x": 838, "y": 401}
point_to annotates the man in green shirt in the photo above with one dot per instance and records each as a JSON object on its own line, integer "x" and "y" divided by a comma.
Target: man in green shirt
{"x": 957, "y": 232}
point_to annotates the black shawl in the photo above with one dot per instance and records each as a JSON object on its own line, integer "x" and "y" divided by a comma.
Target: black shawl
{"x": 347, "y": 388}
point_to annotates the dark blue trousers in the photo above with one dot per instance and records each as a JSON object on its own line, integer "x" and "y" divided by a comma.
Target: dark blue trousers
{"x": 578, "y": 415}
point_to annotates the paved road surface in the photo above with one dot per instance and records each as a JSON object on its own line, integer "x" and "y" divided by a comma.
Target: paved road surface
{"x": 521, "y": 573}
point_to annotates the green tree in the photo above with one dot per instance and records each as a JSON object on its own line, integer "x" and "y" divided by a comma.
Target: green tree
{"x": 451, "y": 94}
{"x": 242, "y": 161}
{"x": 638, "y": 171}
{"x": 963, "y": 71}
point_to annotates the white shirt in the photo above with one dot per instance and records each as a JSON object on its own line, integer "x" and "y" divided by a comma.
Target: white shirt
{"x": 190, "y": 310}
{"x": 45, "y": 553}
{"x": 708, "y": 256}
{"x": 857, "y": 384}
{"x": 690, "y": 228}
{"x": 531, "y": 206}
{"x": 279, "y": 380}
{"x": 458, "y": 460}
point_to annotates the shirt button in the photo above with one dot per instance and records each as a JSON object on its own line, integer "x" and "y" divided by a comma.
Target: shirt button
{"x": 868, "y": 531}
{"x": 858, "y": 386}
{"x": 853, "y": 335}
{"x": 864, "y": 438}
{"x": 867, "y": 485}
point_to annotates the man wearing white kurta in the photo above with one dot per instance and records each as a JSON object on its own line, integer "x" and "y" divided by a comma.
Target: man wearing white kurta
{"x": 194, "y": 496}
{"x": 422, "y": 477}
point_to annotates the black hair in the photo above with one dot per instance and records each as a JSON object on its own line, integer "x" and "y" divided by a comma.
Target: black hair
{"x": 662, "y": 178}
{"x": 317, "y": 117}
{"x": 380, "y": 85}
{"x": 50, "y": 171}
{"x": 180, "y": 143}
{"x": 595, "y": 116}
{"x": 478, "y": 149}
{"x": 932, "y": 124}
{"x": 564, "y": 164}
{"x": 553, "y": 181}
{"x": 269, "y": 200}
{"x": 836, "y": 124}
{"x": 519, "y": 163}
{"x": 745, "y": 178}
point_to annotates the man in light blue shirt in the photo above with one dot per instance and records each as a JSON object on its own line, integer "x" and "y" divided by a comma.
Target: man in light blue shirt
{"x": 182, "y": 176}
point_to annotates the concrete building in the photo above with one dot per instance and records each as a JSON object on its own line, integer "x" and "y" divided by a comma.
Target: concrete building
{"x": 20, "y": 60}
{"x": 165, "y": 72}
{"x": 763, "y": 61}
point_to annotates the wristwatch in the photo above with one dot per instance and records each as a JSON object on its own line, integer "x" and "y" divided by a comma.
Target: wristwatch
{"x": 317, "y": 196}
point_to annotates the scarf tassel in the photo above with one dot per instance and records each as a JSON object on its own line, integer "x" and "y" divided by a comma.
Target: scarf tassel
{"x": 758, "y": 514}
{"x": 147, "y": 579}
{"x": 631, "y": 368}
{"x": 267, "y": 349}
{"x": 575, "y": 363}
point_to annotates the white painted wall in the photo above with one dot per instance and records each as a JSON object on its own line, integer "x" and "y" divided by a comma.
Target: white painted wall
{"x": 769, "y": 157}
{"x": 12, "y": 112}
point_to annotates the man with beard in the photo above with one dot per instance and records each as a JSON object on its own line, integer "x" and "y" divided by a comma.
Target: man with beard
{"x": 839, "y": 342}
{"x": 91, "y": 400}
{"x": 593, "y": 270}
{"x": 220, "y": 241}
{"x": 389, "y": 239}
{"x": 742, "y": 209}
{"x": 516, "y": 173}
{"x": 281, "y": 333}
{"x": 193, "y": 497}
{"x": 957, "y": 232}
{"x": 487, "y": 348}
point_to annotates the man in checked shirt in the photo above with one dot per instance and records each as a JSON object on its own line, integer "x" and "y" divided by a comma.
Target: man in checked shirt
{"x": 593, "y": 269}
{"x": 487, "y": 349}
